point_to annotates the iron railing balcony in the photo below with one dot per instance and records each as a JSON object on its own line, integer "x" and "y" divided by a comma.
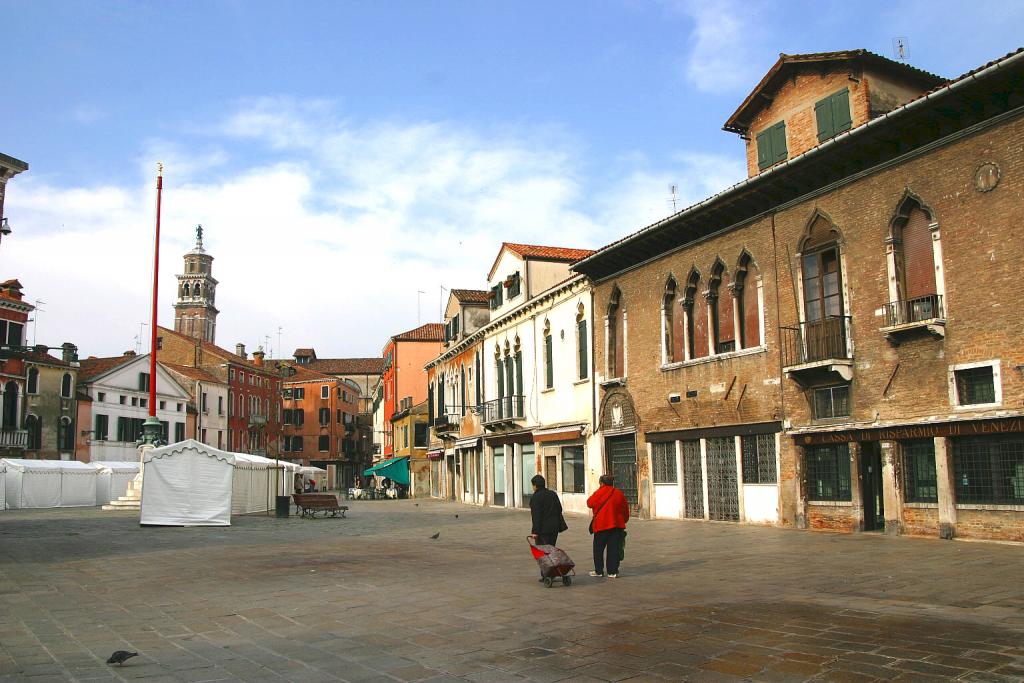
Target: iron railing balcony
{"x": 505, "y": 409}
{"x": 917, "y": 310}
{"x": 812, "y": 342}
{"x": 447, "y": 422}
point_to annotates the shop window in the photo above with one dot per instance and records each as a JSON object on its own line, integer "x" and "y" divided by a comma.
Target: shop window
{"x": 832, "y": 402}
{"x": 989, "y": 470}
{"x": 663, "y": 463}
{"x": 828, "y": 472}
{"x": 759, "y": 459}
{"x": 976, "y": 384}
{"x": 920, "y": 484}
{"x": 573, "y": 474}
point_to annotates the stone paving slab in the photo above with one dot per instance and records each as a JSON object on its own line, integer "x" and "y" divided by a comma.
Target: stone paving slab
{"x": 373, "y": 598}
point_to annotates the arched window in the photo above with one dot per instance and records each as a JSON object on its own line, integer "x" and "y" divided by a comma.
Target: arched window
{"x": 186, "y": 289}
{"x": 462, "y": 389}
{"x": 696, "y": 306}
{"x": 65, "y": 385}
{"x": 723, "y": 327}
{"x": 66, "y": 435}
{"x": 196, "y": 290}
{"x": 748, "y": 302}
{"x": 549, "y": 357}
{"x": 673, "y": 323}
{"x": 10, "y": 408}
{"x": 33, "y": 381}
{"x": 917, "y": 295}
{"x": 582, "y": 339}
{"x": 822, "y": 276}
{"x": 34, "y": 427}
{"x": 616, "y": 357}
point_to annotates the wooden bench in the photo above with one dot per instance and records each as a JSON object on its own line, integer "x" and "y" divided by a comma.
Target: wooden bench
{"x": 311, "y": 503}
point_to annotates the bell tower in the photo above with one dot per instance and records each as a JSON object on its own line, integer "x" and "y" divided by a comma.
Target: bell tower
{"x": 194, "y": 312}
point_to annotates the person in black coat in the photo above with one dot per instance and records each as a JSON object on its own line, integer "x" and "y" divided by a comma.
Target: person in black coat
{"x": 546, "y": 510}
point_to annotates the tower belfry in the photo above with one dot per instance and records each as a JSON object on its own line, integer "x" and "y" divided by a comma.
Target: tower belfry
{"x": 194, "y": 312}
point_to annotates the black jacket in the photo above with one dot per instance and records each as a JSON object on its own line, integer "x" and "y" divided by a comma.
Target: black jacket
{"x": 546, "y": 510}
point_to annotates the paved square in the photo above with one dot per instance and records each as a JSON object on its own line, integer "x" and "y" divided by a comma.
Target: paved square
{"x": 372, "y": 598}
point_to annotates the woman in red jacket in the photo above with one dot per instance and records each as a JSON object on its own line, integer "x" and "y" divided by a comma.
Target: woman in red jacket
{"x": 610, "y": 512}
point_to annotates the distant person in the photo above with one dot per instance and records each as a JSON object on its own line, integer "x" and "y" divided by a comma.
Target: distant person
{"x": 546, "y": 510}
{"x": 610, "y": 511}
{"x": 310, "y": 486}
{"x": 298, "y": 483}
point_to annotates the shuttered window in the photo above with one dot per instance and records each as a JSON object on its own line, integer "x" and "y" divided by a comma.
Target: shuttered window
{"x": 581, "y": 341}
{"x": 833, "y": 115}
{"x": 549, "y": 367}
{"x": 771, "y": 145}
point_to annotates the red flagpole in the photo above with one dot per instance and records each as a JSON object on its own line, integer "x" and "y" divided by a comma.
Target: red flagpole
{"x": 156, "y": 273}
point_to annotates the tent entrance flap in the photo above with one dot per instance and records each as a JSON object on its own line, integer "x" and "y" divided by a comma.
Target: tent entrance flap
{"x": 395, "y": 469}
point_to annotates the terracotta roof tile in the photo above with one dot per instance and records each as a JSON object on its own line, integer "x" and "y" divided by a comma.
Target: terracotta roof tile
{"x": 428, "y": 332}
{"x": 473, "y": 296}
{"x": 549, "y": 253}
{"x": 215, "y": 350}
{"x": 91, "y": 368}
{"x": 349, "y": 366}
{"x": 45, "y": 359}
{"x": 191, "y": 372}
{"x": 299, "y": 353}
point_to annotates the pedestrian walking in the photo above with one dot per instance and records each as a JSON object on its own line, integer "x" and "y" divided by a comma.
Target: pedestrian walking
{"x": 610, "y": 512}
{"x": 546, "y": 510}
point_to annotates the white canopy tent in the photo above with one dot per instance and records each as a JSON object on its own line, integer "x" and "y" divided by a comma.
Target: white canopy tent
{"x": 113, "y": 479}
{"x": 252, "y": 484}
{"x": 49, "y": 483}
{"x": 317, "y": 474}
{"x": 187, "y": 484}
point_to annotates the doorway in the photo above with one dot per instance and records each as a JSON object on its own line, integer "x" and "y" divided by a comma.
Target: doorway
{"x": 450, "y": 469}
{"x": 621, "y": 454}
{"x": 871, "y": 485}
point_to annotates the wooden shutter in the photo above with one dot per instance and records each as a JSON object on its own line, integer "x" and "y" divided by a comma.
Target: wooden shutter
{"x": 501, "y": 379}
{"x": 582, "y": 340}
{"x": 779, "y": 142}
{"x": 751, "y": 322}
{"x": 823, "y": 116}
{"x": 678, "y": 332}
{"x": 519, "y": 373}
{"x": 430, "y": 403}
{"x": 764, "y": 151}
{"x": 549, "y": 367}
{"x": 726, "y": 328}
{"x": 918, "y": 257}
{"x": 700, "y": 326}
{"x": 841, "y": 119}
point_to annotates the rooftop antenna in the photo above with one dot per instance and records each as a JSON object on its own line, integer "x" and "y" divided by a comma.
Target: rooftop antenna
{"x": 266, "y": 345}
{"x": 138, "y": 339}
{"x": 674, "y": 191}
{"x": 440, "y": 304}
{"x": 419, "y": 294}
{"x": 35, "y": 319}
{"x": 900, "y": 48}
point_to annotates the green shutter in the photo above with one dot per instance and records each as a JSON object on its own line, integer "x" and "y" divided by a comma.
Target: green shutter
{"x": 823, "y": 115}
{"x": 548, "y": 361}
{"x": 779, "y": 141}
{"x": 841, "y": 111}
{"x": 583, "y": 339}
{"x": 764, "y": 152}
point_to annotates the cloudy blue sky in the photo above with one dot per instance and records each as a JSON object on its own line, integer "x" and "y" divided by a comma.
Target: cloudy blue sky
{"x": 343, "y": 156}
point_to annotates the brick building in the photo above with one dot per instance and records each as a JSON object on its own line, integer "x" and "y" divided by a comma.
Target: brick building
{"x": 834, "y": 342}
{"x": 319, "y": 423}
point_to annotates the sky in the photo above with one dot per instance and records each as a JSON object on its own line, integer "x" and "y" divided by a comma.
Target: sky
{"x": 350, "y": 161}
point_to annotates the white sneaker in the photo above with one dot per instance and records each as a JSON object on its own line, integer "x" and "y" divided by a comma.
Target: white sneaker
{"x": 613, "y": 576}
{"x": 596, "y": 574}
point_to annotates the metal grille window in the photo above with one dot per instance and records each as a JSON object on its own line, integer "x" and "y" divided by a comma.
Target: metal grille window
{"x": 919, "y": 481}
{"x": 975, "y": 385}
{"x": 693, "y": 480}
{"x": 663, "y": 463}
{"x": 573, "y": 476}
{"x": 989, "y": 470}
{"x": 759, "y": 459}
{"x": 832, "y": 402}
{"x": 723, "y": 488}
{"x": 828, "y": 472}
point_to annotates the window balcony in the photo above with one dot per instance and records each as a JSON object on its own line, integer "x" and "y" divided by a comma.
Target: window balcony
{"x": 503, "y": 411}
{"x": 913, "y": 316}
{"x": 13, "y": 438}
{"x": 817, "y": 352}
{"x": 447, "y": 424}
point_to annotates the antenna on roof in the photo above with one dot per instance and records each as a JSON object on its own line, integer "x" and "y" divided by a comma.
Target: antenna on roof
{"x": 419, "y": 294}
{"x": 900, "y": 48}
{"x": 673, "y": 190}
{"x": 138, "y": 338}
{"x": 35, "y": 319}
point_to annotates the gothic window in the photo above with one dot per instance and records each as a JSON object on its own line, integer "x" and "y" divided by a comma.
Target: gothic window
{"x": 821, "y": 272}
{"x": 616, "y": 332}
{"x": 549, "y": 353}
{"x": 582, "y": 338}
{"x": 65, "y": 385}
{"x": 33, "y": 381}
{"x": 672, "y": 323}
{"x": 10, "y": 407}
{"x": 66, "y": 436}
{"x": 748, "y": 308}
{"x": 186, "y": 289}
{"x": 916, "y": 292}
{"x": 696, "y": 306}
{"x": 196, "y": 291}
{"x": 720, "y": 303}
{"x": 34, "y": 427}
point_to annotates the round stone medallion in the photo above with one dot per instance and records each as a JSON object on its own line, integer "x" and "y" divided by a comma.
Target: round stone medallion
{"x": 986, "y": 177}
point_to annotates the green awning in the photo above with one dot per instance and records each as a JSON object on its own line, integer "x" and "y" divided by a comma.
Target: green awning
{"x": 395, "y": 469}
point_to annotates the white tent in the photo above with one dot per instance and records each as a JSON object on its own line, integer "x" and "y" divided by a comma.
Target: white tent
{"x": 49, "y": 483}
{"x": 317, "y": 474}
{"x": 113, "y": 479}
{"x": 187, "y": 484}
{"x": 252, "y": 484}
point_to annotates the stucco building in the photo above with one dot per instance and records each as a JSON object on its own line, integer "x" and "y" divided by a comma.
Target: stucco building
{"x": 402, "y": 374}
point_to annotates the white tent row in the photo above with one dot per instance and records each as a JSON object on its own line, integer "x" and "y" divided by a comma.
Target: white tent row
{"x": 49, "y": 483}
{"x": 253, "y": 488}
{"x": 317, "y": 474}
{"x": 113, "y": 480}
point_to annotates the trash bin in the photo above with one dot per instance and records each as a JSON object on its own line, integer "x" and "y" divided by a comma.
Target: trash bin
{"x": 283, "y": 506}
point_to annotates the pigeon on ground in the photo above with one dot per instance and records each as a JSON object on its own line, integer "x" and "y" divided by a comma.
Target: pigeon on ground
{"x": 436, "y": 536}
{"x": 456, "y": 516}
{"x": 121, "y": 656}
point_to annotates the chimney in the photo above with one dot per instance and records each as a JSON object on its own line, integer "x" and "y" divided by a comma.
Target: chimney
{"x": 69, "y": 352}
{"x": 129, "y": 353}
{"x": 257, "y": 357}
{"x": 240, "y": 350}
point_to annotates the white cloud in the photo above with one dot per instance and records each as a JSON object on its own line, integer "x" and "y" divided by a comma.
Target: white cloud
{"x": 727, "y": 44}
{"x": 329, "y": 240}
{"x": 86, "y": 114}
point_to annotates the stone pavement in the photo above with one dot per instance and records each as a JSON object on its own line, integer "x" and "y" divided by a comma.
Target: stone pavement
{"x": 373, "y": 598}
